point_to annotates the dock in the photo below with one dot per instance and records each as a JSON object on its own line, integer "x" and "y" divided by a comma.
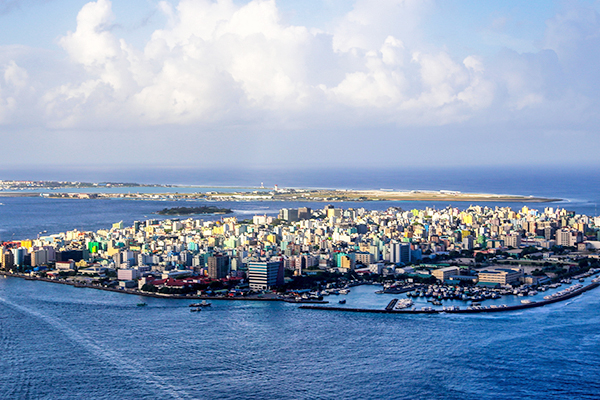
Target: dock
{"x": 391, "y": 305}
{"x": 389, "y": 309}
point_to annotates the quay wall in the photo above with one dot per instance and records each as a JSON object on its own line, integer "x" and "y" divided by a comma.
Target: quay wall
{"x": 460, "y": 311}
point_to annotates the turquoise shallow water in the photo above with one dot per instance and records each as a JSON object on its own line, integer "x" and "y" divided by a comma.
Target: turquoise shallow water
{"x": 63, "y": 342}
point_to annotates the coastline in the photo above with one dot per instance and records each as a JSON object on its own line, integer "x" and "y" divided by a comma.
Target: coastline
{"x": 156, "y": 295}
{"x": 323, "y": 196}
{"x": 318, "y": 303}
{"x": 541, "y": 303}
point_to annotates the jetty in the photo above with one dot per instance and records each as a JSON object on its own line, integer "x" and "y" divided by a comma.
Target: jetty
{"x": 389, "y": 309}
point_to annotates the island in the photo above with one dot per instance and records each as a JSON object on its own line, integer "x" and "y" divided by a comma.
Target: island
{"x": 429, "y": 260}
{"x": 194, "y": 210}
{"x": 308, "y": 195}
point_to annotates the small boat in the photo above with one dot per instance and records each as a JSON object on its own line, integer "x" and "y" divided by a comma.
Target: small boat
{"x": 195, "y": 309}
{"x": 343, "y": 301}
{"x": 142, "y": 304}
{"x": 203, "y": 304}
{"x": 344, "y": 291}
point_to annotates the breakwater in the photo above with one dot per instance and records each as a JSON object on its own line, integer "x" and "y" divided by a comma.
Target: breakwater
{"x": 390, "y": 310}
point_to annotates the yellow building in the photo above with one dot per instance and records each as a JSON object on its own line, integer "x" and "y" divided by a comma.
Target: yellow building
{"x": 502, "y": 276}
{"x": 443, "y": 274}
{"x": 272, "y": 238}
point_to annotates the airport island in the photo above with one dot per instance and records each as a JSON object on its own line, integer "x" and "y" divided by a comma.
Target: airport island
{"x": 49, "y": 189}
{"x": 458, "y": 260}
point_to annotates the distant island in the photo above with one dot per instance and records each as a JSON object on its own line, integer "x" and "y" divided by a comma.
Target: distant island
{"x": 194, "y": 210}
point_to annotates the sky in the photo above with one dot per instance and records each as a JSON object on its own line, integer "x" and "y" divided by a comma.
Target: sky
{"x": 299, "y": 83}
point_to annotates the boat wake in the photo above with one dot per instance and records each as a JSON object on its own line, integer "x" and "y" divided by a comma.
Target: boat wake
{"x": 129, "y": 367}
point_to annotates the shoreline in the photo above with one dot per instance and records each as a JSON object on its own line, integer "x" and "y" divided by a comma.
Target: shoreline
{"x": 321, "y": 196}
{"x": 320, "y": 307}
{"x": 541, "y": 303}
{"x": 157, "y": 295}
{"x": 249, "y": 193}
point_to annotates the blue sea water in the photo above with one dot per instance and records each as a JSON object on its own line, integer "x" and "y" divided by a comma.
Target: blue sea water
{"x": 61, "y": 342}
{"x": 22, "y": 218}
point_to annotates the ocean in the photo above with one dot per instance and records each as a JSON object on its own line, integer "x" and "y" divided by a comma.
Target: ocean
{"x": 28, "y": 217}
{"x": 62, "y": 342}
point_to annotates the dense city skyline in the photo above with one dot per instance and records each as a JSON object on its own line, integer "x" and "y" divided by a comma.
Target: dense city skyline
{"x": 462, "y": 82}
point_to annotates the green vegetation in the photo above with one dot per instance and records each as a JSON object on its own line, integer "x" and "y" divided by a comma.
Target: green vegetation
{"x": 194, "y": 210}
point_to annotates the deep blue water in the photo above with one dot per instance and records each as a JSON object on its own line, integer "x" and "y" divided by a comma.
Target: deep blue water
{"x": 60, "y": 342}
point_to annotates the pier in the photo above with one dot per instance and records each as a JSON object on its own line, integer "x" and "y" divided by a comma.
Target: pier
{"x": 390, "y": 310}
{"x": 391, "y": 305}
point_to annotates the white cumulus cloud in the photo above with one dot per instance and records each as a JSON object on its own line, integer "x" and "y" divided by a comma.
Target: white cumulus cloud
{"x": 222, "y": 63}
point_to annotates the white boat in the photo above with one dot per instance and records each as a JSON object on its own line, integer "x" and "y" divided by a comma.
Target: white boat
{"x": 344, "y": 291}
{"x": 403, "y": 303}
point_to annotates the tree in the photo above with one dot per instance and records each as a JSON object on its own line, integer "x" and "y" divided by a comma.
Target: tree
{"x": 148, "y": 287}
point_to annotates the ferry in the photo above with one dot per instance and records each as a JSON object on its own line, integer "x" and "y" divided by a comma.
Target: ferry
{"x": 203, "y": 304}
{"x": 404, "y": 303}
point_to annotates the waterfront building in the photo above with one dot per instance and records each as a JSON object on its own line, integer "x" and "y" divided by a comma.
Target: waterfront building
{"x": 128, "y": 274}
{"x": 19, "y": 256}
{"x": 444, "y": 274}
{"x": 8, "y": 259}
{"x": 502, "y": 276}
{"x": 264, "y": 275}
{"x": 65, "y": 265}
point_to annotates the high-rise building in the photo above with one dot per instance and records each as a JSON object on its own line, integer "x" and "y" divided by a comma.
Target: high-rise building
{"x": 265, "y": 275}
{"x": 218, "y": 266}
{"x": 467, "y": 243}
{"x": 288, "y": 214}
{"x": 39, "y": 257}
{"x": 8, "y": 259}
{"x": 19, "y": 256}
{"x": 399, "y": 252}
{"x": 304, "y": 212}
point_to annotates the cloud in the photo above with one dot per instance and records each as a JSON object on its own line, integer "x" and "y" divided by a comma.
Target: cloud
{"x": 14, "y": 89}
{"x": 218, "y": 63}
{"x": 215, "y": 60}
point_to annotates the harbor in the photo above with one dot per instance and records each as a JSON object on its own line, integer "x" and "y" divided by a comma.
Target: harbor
{"x": 364, "y": 300}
